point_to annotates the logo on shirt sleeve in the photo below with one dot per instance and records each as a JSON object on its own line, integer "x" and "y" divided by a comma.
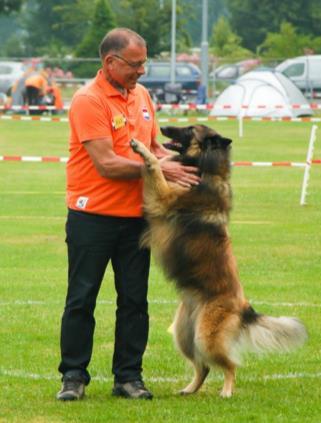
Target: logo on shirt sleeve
{"x": 146, "y": 114}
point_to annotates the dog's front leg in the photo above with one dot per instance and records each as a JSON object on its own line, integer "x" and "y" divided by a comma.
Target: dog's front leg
{"x": 154, "y": 181}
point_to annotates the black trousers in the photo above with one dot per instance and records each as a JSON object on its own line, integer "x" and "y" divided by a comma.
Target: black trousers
{"x": 92, "y": 241}
{"x": 33, "y": 96}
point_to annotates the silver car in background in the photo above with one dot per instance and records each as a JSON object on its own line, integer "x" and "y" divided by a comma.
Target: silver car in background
{"x": 305, "y": 72}
{"x": 10, "y": 72}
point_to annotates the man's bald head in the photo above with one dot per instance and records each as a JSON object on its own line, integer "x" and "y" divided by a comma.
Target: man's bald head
{"x": 118, "y": 39}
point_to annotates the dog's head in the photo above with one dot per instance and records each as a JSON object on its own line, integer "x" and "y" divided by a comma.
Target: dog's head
{"x": 201, "y": 146}
{"x": 194, "y": 140}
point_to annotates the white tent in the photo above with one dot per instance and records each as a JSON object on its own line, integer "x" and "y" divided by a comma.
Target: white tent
{"x": 262, "y": 94}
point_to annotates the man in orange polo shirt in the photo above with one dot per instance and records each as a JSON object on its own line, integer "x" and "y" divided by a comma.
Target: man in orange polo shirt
{"x": 105, "y": 222}
{"x": 36, "y": 87}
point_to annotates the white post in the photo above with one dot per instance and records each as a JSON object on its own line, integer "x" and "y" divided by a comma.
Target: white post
{"x": 204, "y": 45}
{"x": 308, "y": 165}
{"x": 173, "y": 43}
{"x": 240, "y": 118}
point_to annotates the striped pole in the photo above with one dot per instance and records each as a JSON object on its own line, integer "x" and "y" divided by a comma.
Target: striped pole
{"x": 306, "y": 176}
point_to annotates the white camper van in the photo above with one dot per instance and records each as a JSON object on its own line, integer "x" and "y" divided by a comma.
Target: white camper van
{"x": 305, "y": 72}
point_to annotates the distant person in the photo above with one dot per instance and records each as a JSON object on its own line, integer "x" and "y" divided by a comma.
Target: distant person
{"x": 36, "y": 87}
{"x": 18, "y": 91}
{"x": 105, "y": 217}
{"x": 201, "y": 96}
{"x": 3, "y": 99}
{"x": 53, "y": 96}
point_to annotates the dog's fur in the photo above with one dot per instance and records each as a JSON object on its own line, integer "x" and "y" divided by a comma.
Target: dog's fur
{"x": 188, "y": 233}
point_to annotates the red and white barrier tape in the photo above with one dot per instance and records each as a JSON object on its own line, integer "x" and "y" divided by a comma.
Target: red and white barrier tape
{"x": 34, "y": 118}
{"x": 210, "y": 106}
{"x": 171, "y": 119}
{"x": 47, "y": 159}
{"x": 55, "y": 159}
{"x": 189, "y": 106}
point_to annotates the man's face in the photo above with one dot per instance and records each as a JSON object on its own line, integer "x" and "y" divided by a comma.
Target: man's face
{"x": 127, "y": 66}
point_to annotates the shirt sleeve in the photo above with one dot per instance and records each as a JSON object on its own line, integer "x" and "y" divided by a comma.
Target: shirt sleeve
{"x": 89, "y": 118}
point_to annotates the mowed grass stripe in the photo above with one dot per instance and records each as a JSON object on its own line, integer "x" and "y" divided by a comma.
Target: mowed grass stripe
{"x": 277, "y": 245}
{"x": 15, "y": 373}
{"x": 152, "y": 301}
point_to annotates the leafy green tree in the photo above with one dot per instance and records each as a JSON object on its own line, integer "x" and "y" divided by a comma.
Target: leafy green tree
{"x": 146, "y": 18}
{"x": 8, "y": 6}
{"x": 253, "y": 20}
{"x": 48, "y": 28}
{"x": 14, "y": 47}
{"x": 74, "y": 17}
{"x": 288, "y": 43}
{"x": 216, "y": 9}
{"x": 226, "y": 43}
{"x": 153, "y": 22}
{"x": 103, "y": 21}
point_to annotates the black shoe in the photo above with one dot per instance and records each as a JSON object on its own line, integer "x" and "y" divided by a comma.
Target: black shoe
{"x": 72, "y": 389}
{"x": 133, "y": 390}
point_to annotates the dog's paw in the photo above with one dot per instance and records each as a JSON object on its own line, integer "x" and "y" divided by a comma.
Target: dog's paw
{"x": 134, "y": 145}
{"x": 184, "y": 393}
{"x": 226, "y": 394}
{"x": 139, "y": 148}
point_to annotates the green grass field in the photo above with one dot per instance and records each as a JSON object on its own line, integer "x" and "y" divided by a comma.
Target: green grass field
{"x": 277, "y": 244}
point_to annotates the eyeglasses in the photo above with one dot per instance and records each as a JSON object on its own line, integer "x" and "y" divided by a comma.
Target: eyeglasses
{"x": 134, "y": 65}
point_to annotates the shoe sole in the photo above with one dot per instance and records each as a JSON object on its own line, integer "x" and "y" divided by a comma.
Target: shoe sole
{"x": 69, "y": 397}
{"x": 124, "y": 394}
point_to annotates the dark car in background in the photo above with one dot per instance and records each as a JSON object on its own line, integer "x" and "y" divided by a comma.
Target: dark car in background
{"x": 157, "y": 80}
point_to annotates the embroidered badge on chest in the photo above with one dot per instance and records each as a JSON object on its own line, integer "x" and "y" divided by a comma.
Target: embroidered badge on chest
{"x": 146, "y": 114}
{"x": 118, "y": 121}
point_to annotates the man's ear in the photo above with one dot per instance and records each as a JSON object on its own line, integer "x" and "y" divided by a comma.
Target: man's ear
{"x": 108, "y": 60}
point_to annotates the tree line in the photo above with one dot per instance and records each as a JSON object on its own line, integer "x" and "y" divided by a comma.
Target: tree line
{"x": 237, "y": 28}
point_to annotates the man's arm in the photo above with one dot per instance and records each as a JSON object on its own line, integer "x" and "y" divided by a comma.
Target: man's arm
{"x": 108, "y": 163}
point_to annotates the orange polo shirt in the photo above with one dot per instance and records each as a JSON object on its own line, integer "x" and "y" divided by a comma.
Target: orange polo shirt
{"x": 38, "y": 81}
{"x": 97, "y": 111}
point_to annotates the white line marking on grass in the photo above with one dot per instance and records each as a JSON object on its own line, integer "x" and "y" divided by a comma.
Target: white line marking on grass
{"x": 33, "y": 193}
{"x": 5, "y": 217}
{"x": 284, "y": 304}
{"x": 155, "y": 301}
{"x": 14, "y": 373}
{"x": 252, "y": 222}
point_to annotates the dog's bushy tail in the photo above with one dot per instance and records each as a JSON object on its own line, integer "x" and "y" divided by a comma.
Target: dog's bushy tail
{"x": 262, "y": 334}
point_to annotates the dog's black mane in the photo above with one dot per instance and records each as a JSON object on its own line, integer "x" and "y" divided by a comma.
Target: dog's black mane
{"x": 208, "y": 162}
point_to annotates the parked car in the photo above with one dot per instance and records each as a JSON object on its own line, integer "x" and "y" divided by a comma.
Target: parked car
{"x": 158, "y": 77}
{"x": 305, "y": 72}
{"x": 10, "y": 72}
{"x": 230, "y": 72}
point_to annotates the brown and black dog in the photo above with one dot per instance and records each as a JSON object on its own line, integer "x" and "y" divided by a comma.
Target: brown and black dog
{"x": 188, "y": 233}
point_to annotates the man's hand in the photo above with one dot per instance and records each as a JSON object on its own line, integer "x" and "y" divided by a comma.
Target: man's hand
{"x": 186, "y": 176}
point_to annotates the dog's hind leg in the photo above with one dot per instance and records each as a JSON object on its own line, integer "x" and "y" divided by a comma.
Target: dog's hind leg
{"x": 184, "y": 334}
{"x": 200, "y": 373}
{"x": 229, "y": 379}
{"x": 216, "y": 332}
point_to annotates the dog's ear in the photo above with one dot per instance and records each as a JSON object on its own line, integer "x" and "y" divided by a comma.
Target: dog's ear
{"x": 216, "y": 141}
{"x": 225, "y": 142}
